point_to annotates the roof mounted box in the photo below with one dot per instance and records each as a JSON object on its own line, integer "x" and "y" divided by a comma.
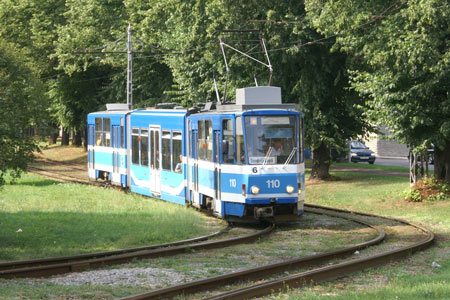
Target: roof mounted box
{"x": 116, "y": 106}
{"x": 258, "y": 95}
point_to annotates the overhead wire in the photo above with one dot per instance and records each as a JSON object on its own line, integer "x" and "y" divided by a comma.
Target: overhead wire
{"x": 297, "y": 44}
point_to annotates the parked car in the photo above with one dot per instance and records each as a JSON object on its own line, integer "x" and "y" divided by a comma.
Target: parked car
{"x": 361, "y": 153}
{"x": 430, "y": 154}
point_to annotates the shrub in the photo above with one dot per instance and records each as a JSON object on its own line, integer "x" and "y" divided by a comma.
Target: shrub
{"x": 429, "y": 189}
{"x": 413, "y": 195}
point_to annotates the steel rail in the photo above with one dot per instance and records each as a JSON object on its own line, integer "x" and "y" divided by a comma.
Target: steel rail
{"x": 259, "y": 272}
{"x": 54, "y": 162}
{"x": 53, "y": 269}
{"x": 73, "y": 258}
{"x": 330, "y": 272}
{"x": 70, "y": 179}
{"x": 58, "y": 176}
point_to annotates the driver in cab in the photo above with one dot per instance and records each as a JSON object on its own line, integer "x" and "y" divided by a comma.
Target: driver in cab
{"x": 277, "y": 148}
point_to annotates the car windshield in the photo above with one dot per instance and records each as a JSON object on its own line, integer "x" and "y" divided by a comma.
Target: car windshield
{"x": 270, "y": 139}
{"x": 358, "y": 145}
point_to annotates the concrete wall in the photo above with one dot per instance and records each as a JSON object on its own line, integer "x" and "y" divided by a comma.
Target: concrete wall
{"x": 384, "y": 147}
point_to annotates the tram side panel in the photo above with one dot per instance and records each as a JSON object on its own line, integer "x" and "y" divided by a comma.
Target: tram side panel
{"x": 107, "y": 156}
{"x": 158, "y": 163}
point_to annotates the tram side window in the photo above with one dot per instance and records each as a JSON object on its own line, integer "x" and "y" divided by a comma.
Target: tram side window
{"x": 176, "y": 152}
{"x": 300, "y": 140}
{"x": 190, "y": 140}
{"x": 165, "y": 148}
{"x": 122, "y": 133}
{"x": 98, "y": 132}
{"x": 135, "y": 146}
{"x": 201, "y": 139}
{"x": 107, "y": 132}
{"x": 240, "y": 146}
{"x": 209, "y": 140}
{"x": 144, "y": 147}
{"x": 228, "y": 142}
{"x": 157, "y": 150}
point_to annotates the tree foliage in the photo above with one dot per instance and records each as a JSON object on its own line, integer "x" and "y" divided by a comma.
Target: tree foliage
{"x": 86, "y": 42}
{"x": 20, "y": 106}
{"x": 308, "y": 74}
{"x": 180, "y": 57}
{"x": 31, "y": 26}
{"x": 401, "y": 65}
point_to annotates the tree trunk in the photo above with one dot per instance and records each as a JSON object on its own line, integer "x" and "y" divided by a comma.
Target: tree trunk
{"x": 85, "y": 141}
{"x": 65, "y": 137}
{"x": 53, "y": 139}
{"x": 77, "y": 138}
{"x": 442, "y": 163}
{"x": 321, "y": 163}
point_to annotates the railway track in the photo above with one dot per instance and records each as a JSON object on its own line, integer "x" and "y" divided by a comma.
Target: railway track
{"x": 21, "y": 264}
{"x": 49, "y": 267}
{"x": 319, "y": 274}
{"x": 58, "y": 176}
{"x": 48, "y": 161}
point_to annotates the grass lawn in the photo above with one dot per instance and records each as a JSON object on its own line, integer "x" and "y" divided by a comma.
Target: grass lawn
{"x": 410, "y": 279}
{"x": 43, "y": 218}
{"x": 57, "y": 218}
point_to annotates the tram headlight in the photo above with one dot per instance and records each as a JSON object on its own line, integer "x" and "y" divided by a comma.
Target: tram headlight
{"x": 255, "y": 190}
{"x": 290, "y": 189}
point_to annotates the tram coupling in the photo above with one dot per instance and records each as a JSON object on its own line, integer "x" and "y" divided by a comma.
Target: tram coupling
{"x": 263, "y": 212}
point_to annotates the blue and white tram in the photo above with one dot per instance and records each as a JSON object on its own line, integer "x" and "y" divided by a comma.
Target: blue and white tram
{"x": 243, "y": 161}
{"x": 107, "y": 144}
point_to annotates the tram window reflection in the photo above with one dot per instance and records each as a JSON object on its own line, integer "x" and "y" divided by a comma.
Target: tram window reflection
{"x": 228, "y": 142}
{"x": 270, "y": 139}
{"x": 240, "y": 148}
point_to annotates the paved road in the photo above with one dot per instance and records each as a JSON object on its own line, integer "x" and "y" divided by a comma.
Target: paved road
{"x": 401, "y": 162}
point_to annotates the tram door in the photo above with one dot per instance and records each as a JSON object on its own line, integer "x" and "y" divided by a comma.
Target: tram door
{"x": 217, "y": 170}
{"x": 91, "y": 138}
{"x": 193, "y": 169}
{"x": 155, "y": 160}
{"x": 116, "y": 155}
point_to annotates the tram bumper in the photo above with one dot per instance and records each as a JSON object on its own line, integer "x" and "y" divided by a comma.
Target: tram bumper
{"x": 272, "y": 207}
{"x": 263, "y": 212}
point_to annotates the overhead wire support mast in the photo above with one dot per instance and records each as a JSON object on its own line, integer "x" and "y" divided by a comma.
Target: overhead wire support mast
{"x": 129, "y": 69}
{"x": 129, "y": 51}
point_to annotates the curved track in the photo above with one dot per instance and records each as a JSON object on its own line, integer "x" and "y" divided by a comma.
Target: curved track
{"x": 11, "y": 265}
{"x": 301, "y": 279}
{"x": 297, "y": 280}
{"x": 261, "y": 272}
{"x": 333, "y": 271}
{"x": 80, "y": 265}
{"x": 58, "y": 176}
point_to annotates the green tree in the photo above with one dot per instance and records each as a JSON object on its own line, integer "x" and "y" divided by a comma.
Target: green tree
{"x": 309, "y": 75}
{"x": 20, "y": 107}
{"x": 93, "y": 26}
{"x": 400, "y": 64}
{"x": 31, "y": 26}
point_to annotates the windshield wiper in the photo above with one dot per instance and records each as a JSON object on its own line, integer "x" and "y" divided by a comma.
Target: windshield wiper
{"x": 267, "y": 155}
{"x": 291, "y": 155}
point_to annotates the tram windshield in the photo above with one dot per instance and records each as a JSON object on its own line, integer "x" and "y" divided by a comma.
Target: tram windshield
{"x": 271, "y": 139}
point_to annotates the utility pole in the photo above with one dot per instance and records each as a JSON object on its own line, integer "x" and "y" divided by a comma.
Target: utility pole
{"x": 129, "y": 69}
{"x": 128, "y": 50}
